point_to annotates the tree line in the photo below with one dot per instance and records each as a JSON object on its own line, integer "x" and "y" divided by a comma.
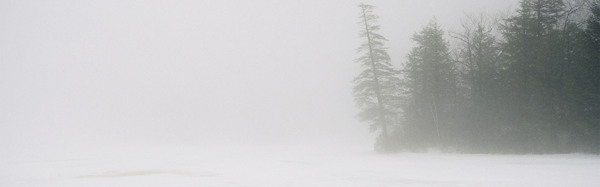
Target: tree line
{"x": 525, "y": 83}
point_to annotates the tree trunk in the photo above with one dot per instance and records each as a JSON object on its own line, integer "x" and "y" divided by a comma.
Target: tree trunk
{"x": 376, "y": 79}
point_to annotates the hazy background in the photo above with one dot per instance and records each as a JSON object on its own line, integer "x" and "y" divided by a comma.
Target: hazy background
{"x": 98, "y": 73}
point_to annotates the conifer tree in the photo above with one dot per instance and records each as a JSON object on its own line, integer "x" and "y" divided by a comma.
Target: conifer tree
{"x": 375, "y": 87}
{"x": 431, "y": 84}
{"x": 590, "y": 76}
{"x": 534, "y": 52}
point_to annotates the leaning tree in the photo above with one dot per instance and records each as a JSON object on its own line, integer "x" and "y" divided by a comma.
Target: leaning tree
{"x": 375, "y": 87}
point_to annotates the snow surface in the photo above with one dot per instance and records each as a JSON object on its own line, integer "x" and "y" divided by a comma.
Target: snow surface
{"x": 291, "y": 166}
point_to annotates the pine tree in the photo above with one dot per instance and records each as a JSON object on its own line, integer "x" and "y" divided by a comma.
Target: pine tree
{"x": 590, "y": 77}
{"x": 534, "y": 54}
{"x": 431, "y": 88}
{"x": 375, "y": 87}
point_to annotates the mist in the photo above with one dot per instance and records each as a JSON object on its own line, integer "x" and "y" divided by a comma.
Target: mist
{"x": 176, "y": 72}
{"x": 187, "y": 72}
{"x": 88, "y": 79}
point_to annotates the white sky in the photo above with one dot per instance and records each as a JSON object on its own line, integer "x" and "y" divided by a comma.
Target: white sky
{"x": 194, "y": 72}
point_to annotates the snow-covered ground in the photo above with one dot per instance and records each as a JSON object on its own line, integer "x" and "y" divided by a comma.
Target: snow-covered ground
{"x": 291, "y": 166}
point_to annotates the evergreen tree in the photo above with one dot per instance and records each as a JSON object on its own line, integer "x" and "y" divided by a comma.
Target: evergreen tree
{"x": 431, "y": 89}
{"x": 589, "y": 78}
{"x": 375, "y": 87}
{"x": 533, "y": 54}
{"x": 534, "y": 89}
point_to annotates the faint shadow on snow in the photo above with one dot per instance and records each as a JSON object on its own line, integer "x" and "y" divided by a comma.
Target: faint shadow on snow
{"x": 114, "y": 174}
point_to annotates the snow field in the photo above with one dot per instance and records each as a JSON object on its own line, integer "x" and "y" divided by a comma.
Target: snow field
{"x": 293, "y": 166}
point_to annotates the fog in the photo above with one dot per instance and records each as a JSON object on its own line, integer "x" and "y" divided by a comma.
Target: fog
{"x": 193, "y": 72}
{"x": 222, "y": 93}
{"x": 184, "y": 72}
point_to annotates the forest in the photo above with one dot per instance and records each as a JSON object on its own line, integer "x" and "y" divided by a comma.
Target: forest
{"x": 525, "y": 83}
